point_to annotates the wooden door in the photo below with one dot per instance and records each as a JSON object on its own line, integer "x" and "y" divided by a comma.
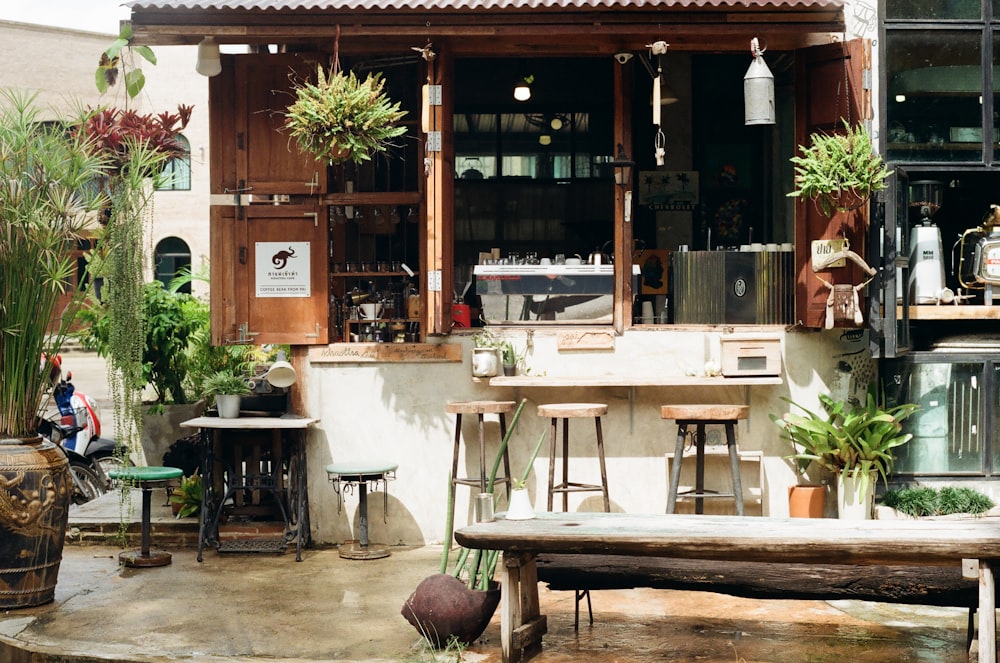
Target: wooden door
{"x": 829, "y": 91}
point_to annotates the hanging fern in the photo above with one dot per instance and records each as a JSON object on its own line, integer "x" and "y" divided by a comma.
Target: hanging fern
{"x": 343, "y": 117}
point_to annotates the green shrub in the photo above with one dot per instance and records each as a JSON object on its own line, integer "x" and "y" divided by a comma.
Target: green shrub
{"x": 925, "y": 501}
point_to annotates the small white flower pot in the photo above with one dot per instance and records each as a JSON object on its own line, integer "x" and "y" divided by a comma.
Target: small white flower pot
{"x": 520, "y": 505}
{"x": 228, "y": 405}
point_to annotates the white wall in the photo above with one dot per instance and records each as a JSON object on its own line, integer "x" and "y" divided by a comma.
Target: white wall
{"x": 397, "y": 412}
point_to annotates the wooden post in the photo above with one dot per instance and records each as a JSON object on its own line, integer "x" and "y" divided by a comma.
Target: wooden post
{"x": 987, "y": 613}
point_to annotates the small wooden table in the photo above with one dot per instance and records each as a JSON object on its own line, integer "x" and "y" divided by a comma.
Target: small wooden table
{"x": 724, "y": 538}
{"x": 293, "y": 498}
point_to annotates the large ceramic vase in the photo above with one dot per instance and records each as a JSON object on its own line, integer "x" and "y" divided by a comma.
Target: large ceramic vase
{"x": 442, "y": 608}
{"x": 855, "y": 498}
{"x": 35, "y": 494}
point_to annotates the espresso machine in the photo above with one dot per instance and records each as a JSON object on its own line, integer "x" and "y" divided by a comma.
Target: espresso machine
{"x": 927, "y": 276}
{"x": 984, "y": 271}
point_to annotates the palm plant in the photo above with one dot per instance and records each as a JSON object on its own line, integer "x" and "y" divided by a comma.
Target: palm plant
{"x": 851, "y": 439}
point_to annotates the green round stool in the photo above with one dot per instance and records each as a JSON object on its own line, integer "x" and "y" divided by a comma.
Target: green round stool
{"x": 147, "y": 478}
{"x": 361, "y": 473}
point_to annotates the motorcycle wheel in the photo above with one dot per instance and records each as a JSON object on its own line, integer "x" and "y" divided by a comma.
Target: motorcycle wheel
{"x": 110, "y": 461}
{"x": 87, "y": 485}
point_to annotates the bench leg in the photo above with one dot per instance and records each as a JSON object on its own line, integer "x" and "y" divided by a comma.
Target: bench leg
{"x": 987, "y": 613}
{"x": 521, "y": 625}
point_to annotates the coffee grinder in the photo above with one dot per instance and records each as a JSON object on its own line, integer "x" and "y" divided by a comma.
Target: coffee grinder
{"x": 927, "y": 278}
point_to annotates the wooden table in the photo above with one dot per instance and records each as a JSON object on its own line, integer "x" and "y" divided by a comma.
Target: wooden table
{"x": 218, "y": 486}
{"x": 724, "y": 538}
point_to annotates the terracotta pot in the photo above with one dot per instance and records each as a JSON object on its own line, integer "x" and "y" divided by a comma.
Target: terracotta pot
{"x": 806, "y": 501}
{"x": 35, "y": 494}
{"x": 442, "y": 606}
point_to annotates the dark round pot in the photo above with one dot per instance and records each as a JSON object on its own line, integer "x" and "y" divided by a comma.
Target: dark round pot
{"x": 442, "y": 607}
{"x": 35, "y": 494}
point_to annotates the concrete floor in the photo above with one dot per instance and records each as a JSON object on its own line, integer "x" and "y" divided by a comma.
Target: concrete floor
{"x": 243, "y": 607}
{"x": 268, "y": 607}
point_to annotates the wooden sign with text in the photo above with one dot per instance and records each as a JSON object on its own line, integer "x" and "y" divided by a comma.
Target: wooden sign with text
{"x": 586, "y": 340}
{"x": 367, "y": 353}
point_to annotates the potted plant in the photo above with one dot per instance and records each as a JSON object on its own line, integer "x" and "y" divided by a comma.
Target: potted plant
{"x": 227, "y": 387}
{"x": 839, "y": 171}
{"x": 486, "y": 359}
{"x": 341, "y": 116}
{"x": 509, "y": 358}
{"x": 853, "y": 440}
{"x": 186, "y": 498}
{"x": 46, "y": 202}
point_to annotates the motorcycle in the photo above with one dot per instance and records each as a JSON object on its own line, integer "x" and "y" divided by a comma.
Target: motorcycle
{"x": 80, "y": 421}
{"x": 76, "y": 428}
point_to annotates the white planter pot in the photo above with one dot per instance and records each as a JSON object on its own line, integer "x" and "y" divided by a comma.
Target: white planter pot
{"x": 520, "y": 505}
{"x": 485, "y": 362}
{"x": 855, "y": 497}
{"x": 229, "y": 405}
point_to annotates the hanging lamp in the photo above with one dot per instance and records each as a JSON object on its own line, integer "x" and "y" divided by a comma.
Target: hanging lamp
{"x": 758, "y": 89}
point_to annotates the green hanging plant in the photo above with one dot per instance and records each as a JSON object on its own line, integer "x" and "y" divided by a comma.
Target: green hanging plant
{"x": 342, "y": 117}
{"x": 839, "y": 171}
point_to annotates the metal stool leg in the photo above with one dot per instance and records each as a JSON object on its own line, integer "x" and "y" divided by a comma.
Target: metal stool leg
{"x": 604, "y": 471}
{"x": 565, "y": 464}
{"x": 454, "y": 462}
{"x": 675, "y": 468}
{"x": 734, "y": 466}
{"x": 552, "y": 461}
{"x": 699, "y": 482}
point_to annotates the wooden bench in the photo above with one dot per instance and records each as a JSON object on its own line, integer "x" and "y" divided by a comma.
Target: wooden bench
{"x": 729, "y": 539}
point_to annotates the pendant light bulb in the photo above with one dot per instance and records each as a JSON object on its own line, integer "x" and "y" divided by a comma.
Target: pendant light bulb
{"x": 209, "y": 62}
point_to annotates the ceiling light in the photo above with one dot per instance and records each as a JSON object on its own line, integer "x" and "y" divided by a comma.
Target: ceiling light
{"x": 545, "y": 139}
{"x": 522, "y": 90}
{"x": 556, "y": 123}
{"x": 209, "y": 63}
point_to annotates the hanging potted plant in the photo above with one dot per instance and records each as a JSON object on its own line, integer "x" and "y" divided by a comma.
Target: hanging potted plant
{"x": 343, "y": 117}
{"x": 853, "y": 440}
{"x": 839, "y": 171}
{"x": 46, "y": 206}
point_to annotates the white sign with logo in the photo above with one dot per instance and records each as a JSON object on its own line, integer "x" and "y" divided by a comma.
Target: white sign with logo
{"x": 282, "y": 269}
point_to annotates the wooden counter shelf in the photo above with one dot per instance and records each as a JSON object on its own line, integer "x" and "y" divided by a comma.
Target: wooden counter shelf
{"x": 629, "y": 381}
{"x": 952, "y": 312}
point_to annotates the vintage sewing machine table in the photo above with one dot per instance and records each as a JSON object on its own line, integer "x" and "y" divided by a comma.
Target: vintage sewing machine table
{"x": 254, "y": 466}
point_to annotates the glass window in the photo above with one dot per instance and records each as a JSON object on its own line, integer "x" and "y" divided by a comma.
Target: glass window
{"x": 933, "y": 10}
{"x": 934, "y": 100}
{"x": 176, "y": 175}
{"x": 171, "y": 256}
{"x": 949, "y": 433}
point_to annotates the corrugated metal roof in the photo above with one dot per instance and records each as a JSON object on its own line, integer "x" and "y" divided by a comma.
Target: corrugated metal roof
{"x": 291, "y": 5}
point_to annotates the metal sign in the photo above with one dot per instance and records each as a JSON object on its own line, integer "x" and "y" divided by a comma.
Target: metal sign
{"x": 281, "y": 269}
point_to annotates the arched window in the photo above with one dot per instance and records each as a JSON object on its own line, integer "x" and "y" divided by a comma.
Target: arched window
{"x": 177, "y": 171}
{"x": 172, "y": 254}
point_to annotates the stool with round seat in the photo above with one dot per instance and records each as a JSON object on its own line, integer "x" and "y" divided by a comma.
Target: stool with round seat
{"x": 480, "y": 409}
{"x": 565, "y": 412}
{"x": 344, "y": 475}
{"x": 147, "y": 478}
{"x": 699, "y": 416}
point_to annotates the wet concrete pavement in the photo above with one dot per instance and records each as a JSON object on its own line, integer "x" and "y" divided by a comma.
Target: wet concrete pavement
{"x": 251, "y": 607}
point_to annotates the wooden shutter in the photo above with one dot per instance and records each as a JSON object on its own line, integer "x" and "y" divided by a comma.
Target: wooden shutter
{"x": 829, "y": 90}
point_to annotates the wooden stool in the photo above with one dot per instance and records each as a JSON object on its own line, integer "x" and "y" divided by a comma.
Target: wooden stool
{"x": 567, "y": 411}
{"x": 360, "y": 474}
{"x": 700, "y": 416}
{"x": 479, "y": 408}
{"x": 146, "y": 478}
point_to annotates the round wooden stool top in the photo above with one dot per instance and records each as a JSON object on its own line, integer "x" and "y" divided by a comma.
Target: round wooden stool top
{"x": 480, "y": 407}
{"x": 568, "y": 410}
{"x": 702, "y": 412}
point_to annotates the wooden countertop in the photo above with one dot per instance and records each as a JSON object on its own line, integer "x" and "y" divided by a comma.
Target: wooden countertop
{"x": 629, "y": 381}
{"x": 249, "y": 423}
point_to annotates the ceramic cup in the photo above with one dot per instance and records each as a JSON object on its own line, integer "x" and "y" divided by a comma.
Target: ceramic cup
{"x": 371, "y": 311}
